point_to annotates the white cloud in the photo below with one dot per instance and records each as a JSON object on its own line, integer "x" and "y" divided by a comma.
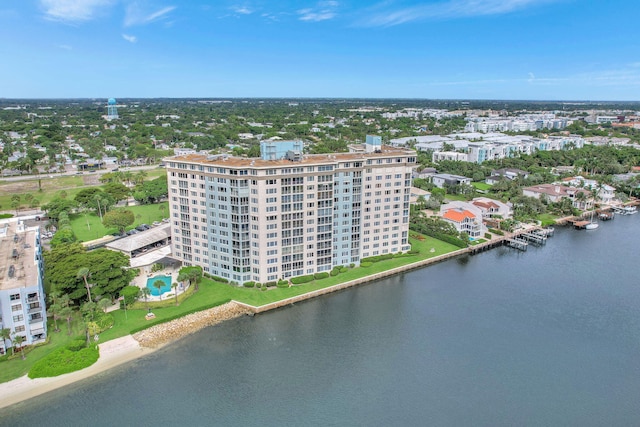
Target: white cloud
{"x": 323, "y": 11}
{"x": 135, "y": 15}
{"x": 242, "y": 10}
{"x": 73, "y": 11}
{"x": 447, "y": 10}
{"x": 130, "y": 39}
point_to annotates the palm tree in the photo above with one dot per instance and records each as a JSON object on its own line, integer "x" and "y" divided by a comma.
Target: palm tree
{"x": 84, "y": 273}
{"x": 139, "y": 177}
{"x": 66, "y": 312}
{"x": 18, "y": 340}
{"x": 182, "y": 277}
{"x": 54, "y": 308}
{"x": 88, "y": 309}
{"x": 104, "y": 303}
{"x": 145, "y": 293}
{"x": 127, "y": 176}
{"x": 581, "y": 198}
{"x": 175, "y": 291}
{"x": 158, "y": 284}
{"x": 194, "y": 276}
{"x": 5, "y": 335}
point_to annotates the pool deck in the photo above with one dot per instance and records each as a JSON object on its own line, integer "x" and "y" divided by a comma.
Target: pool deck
{"x": 141, "y": 281}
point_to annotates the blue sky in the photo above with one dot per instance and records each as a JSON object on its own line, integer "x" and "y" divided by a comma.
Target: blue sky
{"x": 463, "y": 49}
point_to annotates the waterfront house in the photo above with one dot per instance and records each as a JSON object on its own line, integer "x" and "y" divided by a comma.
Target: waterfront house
{"x": 492, "y": 208}
{"x": 555, "y": 192}
{"x": 604, "y": 193}
{"x": 465, "y": 216}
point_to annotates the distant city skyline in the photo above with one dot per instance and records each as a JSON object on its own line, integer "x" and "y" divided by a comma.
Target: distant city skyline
{"x": 449, "y": 49}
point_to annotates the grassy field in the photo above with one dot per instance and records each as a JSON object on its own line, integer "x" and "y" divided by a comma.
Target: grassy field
{"x": 144, "y": 214}
{"x": 51, "y": 187}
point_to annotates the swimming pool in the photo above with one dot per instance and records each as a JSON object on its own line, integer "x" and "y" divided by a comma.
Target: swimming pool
{"x": 165, "y": 288}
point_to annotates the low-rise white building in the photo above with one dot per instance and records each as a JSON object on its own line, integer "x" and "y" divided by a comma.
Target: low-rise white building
{"x": 604, "y": 193}
{"x": 22, "y": 299}
{"x": 491, "y": 208}
{"x": 440, "y": 180}
{"x": 555, "y": 193}
{"x": 465, "y": 217}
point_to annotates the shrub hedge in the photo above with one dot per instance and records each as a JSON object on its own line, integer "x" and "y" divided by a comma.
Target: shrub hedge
{"x": 73, "y": 357}
{"x": 302, "y": 279}
{"x": 322, "y": 275}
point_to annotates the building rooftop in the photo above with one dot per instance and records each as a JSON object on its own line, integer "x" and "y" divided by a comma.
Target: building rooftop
{"x": 142, "y": 239}
{"x": 18, "y": 246}
{"x": 458, "y": 214}
{"x": 307, "y": 159}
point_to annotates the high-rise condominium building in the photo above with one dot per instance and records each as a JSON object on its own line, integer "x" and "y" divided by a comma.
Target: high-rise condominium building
{"x": 293, "y": 214}
{"x": 22, "y": 299}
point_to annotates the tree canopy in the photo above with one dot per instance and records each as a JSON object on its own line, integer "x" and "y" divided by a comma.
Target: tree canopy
{"x": 120, "y": 219}
{"x": 106, "y": 267}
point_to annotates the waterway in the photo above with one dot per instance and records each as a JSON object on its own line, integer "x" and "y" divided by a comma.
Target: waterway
{"x": 548, "y": 337}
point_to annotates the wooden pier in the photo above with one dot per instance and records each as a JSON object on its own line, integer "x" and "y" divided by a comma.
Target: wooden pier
{"x": 519, "y": 240}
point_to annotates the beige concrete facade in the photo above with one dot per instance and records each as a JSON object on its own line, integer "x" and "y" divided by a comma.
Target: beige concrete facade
{"x": 264, "y": 220}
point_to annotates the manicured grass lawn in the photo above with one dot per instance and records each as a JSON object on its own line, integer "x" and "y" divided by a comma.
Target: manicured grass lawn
{"x": 458, "y": 197}
{"x": 547, "y": 219}
{"x": 212, "y": 293}
{"x": 481, "y": 185}
{"x": 17, "y": 367}
{"x": 144, "y": 214}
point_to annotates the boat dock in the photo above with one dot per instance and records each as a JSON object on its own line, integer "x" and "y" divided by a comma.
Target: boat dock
{"x": 519, "y": 240}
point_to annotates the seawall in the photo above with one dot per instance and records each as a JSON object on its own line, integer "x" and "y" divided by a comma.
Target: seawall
{"x": 499, "y": 241}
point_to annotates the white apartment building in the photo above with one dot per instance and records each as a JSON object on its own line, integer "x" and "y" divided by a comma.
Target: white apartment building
{"x": 264, "y": 219}
{"x": 22, "y": 299}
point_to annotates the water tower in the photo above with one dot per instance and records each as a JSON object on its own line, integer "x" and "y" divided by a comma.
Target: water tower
{"x": 112, "y": 109}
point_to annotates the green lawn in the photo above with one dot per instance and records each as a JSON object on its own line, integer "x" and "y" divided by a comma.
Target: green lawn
{"x": 481, "y": 186}
{"x": 212, "y": 293}
{"x": 458, "y": 197}
{"x": 17, "y": 367}
{"x": 144, "y": 214}
{"x": 547, "y": 219}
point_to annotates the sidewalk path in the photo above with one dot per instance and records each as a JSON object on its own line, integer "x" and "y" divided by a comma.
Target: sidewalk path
{"x": 112, "y": 353}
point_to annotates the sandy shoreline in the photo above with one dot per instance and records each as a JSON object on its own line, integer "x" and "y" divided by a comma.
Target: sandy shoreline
{"x": 119, "y": 351}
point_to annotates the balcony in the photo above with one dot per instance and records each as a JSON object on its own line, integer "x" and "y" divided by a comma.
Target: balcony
{"x": 34, "y": 322}
{"x": 35, "y": 310}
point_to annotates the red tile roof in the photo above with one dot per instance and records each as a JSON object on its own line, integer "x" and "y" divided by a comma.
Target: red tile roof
{"x": 458, "y": 215}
